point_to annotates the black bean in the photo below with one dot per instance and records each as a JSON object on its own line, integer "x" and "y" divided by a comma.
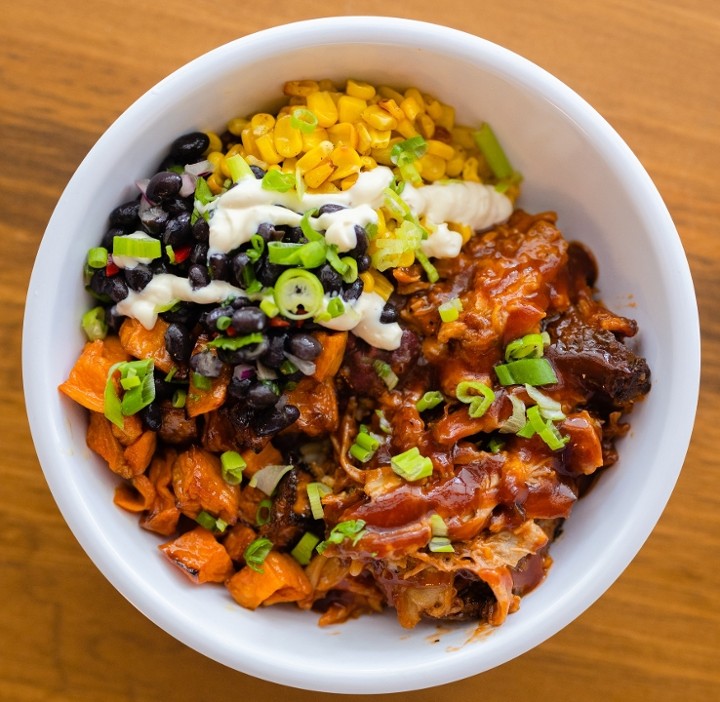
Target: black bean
{"x": 304, "y": 346}
{"x": 239, "y": 263}
{"x": 117, "y": 288}
{"x": 162, "y": 186}
{"x": 210, "y": 318}
{"x": 248, "y": 320}
{"x": 178, "y": 342}
{"x": 268, "y": 232}
{"x": 99, "y": 282}
{"x": 363, "y": 263}
{"x": 113, "y": 320}
{"x": 189, "y": 148}
{"x": 201, "y": 230}
{"x": 352, "y": 291}
{"x": 219, "y": 266}
{"x": 294, "y": 235}
{"x": 389, "y": 314}
{"x": 177, "y": 230}
{"x": 109, "y": 236}
{"x": 275, "y": 420}
{"x": 154, "y": 219}
{"x": 360, "y": 248}
{"x": 185, "y": 313}
{"x": 199, "y": 253}
{"x": 198, "y": 276}
{"x": 125, "y": 216}
{"x": 239, "y": 302}
{"x": 206, "y": 363}
{"x": 151, "y": 416}
{"x": 268, "y": 273}
{"x": 259, "y": 172}
{"x": 163, "y": 390}
{"x": 275, "y": 355}
{"x": 261, "y": 395}
{"x": 158, "y": 266}
{"x": 137, "y": 278}
{"x": 177, "y": 205}
{"x": 330, "y": 207}
{"x": 331, "y": 280}
{"x": 238, "y": 387}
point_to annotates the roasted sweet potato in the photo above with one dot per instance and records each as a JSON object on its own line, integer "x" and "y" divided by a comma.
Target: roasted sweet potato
{"x": 199, "y": 555}
{"x": 328, "y": 362}
{"x": 237, "y": 539}
{"x": 282, "y": 580}
{"x": 136, "y": 496}
{"x": 162, "y": 515}
{"x": 146, "y": 343}
{"x": 87, "y": 379}
{"x": 201, "y": 401}
{"x": 318, "y": 406}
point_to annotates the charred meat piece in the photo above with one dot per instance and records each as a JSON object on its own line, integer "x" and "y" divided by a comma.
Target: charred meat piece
{"x": 290, "y": 514}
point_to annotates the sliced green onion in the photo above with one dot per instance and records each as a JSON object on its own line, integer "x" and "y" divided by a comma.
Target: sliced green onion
{"x": 298, "y": 294}
{"x": 385, "y": 425}
{"x": 430, "y": 271}
{"x": 440, "y": 544}
{"x": 315, "y": 492}
{"x": 386, "y": 373}
{"x": 545, "y": 429}
{"x": 495, "y": 445}
{"x": 167, "y": 307}
{"x": 494, "y": 154}
{"x": 335, "y": 307}
{"x": 238, "y": 167}
{"x": 93, "y": 324}
{"x": 233, "y": 343}
{"x": 303, "y": 119}
{"x": 214, "y": 524}
{"x": 411, "y": 465}
{"x": 201, "y": 382}
{"x": 268, "y": 477}
{"x": 396, "y": 205}
{"x": 408, "y": 151}
{"x": 429, "y": 400}
{"x": 288, "y": 367}
{"x": 352, "y": 529}
{"x": 232, "y": 466}
{"x": 438, "y": 526}
{"x": 364, "y": 446}
{"x": 312, "y": 254}
{"x": 478, "y": 395}
{"x": 528, "y": 346}
{"x": 203, "y": 194}
{"x": 132, "y": 381}
{"x": 309, "y": 255}
{"x": 526, "y": 371}
{"x": 223, "y": 322}
{"x": 134, "y": 247}
{"x": 268, "y": 306}
{"x": 263, "y": 512}
{"x": 97, "y": 257}
{"x": 338, "y": 264}
{"x": 135, "y": 398}
{"x": 450, "y": 310}
{"x": 278, "y": 181}
{"x": 304, "y": 548}
{"x": 549, "y": 408}
{"x": 351, "y": 274}
{"x": 257, "y": 248}
{"x": 171, "y": 374}
{"x": 310, "y": 233}
{"x": 256, "y": 553}
{"x": 179, "y": 398}
{"x": 516, "y": 421}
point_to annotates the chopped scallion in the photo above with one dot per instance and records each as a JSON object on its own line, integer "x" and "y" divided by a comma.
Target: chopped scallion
{"x": 278, "y": 181}
{"x": 238, "y": 168}
{"x": 144, "y": 248}
{"x": 97, "y": 257}
{"x": 440, "y": 544}
{"x": 528, "y": 346}
{"x": 386, "y": 373}
{"x": 438, "y": 526}
{"x": 214, "y": 524}
{"x": 233, "y": 343}
{"x": 478, "y": 395}
{"x": 450, "y": 310}
{"x": 263, "y": 512}
{"x": 411, "y": 465}
{"x": 139, "y": 395}
{"x": 494, "y": 154}
{"x": 303, "y": 119}
{"x": 93, "y": 324}
{"x": 429, "y": 400}
{"x": 268, "y": 477}
{"x": 430, "y": 271}
{"x": 304, "y": 548}
{"x": 298, "y": 294}
{"x": 526, "y": 371}
{"x": 232, "y": 466}
{"x": 352, "y": 529}
{"x": 315, "y": 492}
{"x": 256, "y": 553}
{"x": 335, "y": 307}
{"x": 201, "y": 382}
{"x": 179, "y": 398}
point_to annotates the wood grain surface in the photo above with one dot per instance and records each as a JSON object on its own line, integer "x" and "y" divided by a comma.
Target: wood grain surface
{"x": 68, "y": 69}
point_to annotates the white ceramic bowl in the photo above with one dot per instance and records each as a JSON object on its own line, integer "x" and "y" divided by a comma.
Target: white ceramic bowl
{"x": 573, "y": 162}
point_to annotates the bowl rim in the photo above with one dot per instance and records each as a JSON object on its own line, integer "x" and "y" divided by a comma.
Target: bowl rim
{"x": 396, "y": 31}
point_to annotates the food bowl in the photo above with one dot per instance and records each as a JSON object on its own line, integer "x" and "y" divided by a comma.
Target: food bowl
{"x": 572, "y": 162}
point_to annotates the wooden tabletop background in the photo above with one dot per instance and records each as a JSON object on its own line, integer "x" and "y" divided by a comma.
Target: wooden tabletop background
{"x": 68, "y": 69}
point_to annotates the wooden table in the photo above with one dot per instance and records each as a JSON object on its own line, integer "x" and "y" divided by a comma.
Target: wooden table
{"x": 651, "y": 67}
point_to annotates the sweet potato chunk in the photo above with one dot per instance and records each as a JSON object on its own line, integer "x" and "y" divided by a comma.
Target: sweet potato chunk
{"x": 146, "y": 343}
{"x": 198, "y": 485}
{"x": 87, "y": 379}
{"x": 318, "y": 406}
{"x": 162, "y": 515}
{"x": 328, "y": 362}
{"x": 282, "y": 580}
{"x": 199, "y": 555}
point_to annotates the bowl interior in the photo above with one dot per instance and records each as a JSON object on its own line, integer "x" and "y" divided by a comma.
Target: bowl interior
{"x": 572, "y": 163}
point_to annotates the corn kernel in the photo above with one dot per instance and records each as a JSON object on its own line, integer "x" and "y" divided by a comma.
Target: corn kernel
{"x": 262, "y": 123}
{"x": 315, "y": 157}
{"x": 368, "y": 281}
{"x": 390, "y": 93}
{"x": 389, "y": 105}
{"x": 455, "y": 164}
{"x": 300, "y": 88}
{"x": 425, "y": 125}
{"x": 378, "y": 118}
{"x": 464, "y": 137}
{"x": 326, "y": 84}
{"x": 266, "y": 149}
{"x": 322, "y": 104}
{"x": 470, "y": 170}
{"x": 434, "y": 109}
{"x": 465, "y": 230}
{"x": 216, "y": 183}
{"x": 406, "y": 128}
{"x": 407, "y": 258}
{"x": 314, "y": 138}
{"x": 411, "y": 107}
{"x": 215, "y": 157}
{"x": 326, "y": 187}
{"x": 346, "y": 161}
{"x": 343, "y": 134}
{"x": 383, "y": 286}
{"x": 364, "y": 91}
{"x": 447, "y": 119}
{"x": 379, "y": 138}
{"x": 364, "y": 143}
{"x": 440, "y": 148}
{"x": 288, "y": 140}
{"x": 347, "y": 183}
{"x": 416, "y": 95}
{"x": 368, "y": 163}
{"x": 350, "y": 108}
{"x": 432, "y": 167}
{"x": 215, "y": 142}
{"x": 381, "y": 224}
{"x": 236, "y": 125}
{"x": 248, "y": 141}
{"x": 382, "y": 155}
